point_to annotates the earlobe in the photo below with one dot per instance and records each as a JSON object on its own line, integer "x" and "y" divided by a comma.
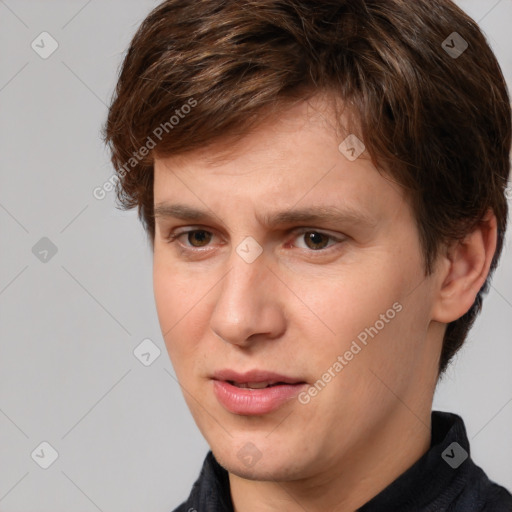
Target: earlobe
{"x": 465, "y": 269}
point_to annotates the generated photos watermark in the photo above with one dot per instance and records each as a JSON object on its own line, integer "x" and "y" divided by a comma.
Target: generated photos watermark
{"x": 355, "y": 348}
{"x": 101, "y": 192}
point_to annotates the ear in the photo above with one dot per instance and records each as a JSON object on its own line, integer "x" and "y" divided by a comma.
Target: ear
{"x": 464, "y": 269}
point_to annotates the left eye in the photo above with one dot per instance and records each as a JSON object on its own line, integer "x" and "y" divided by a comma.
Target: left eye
{"x": 315, "y": 240}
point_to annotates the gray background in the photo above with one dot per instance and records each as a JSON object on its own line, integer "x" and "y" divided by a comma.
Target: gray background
{"x": 69, "y": 325}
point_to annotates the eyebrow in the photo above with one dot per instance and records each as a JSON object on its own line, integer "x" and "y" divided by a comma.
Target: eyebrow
{"x": 334, "y": 214}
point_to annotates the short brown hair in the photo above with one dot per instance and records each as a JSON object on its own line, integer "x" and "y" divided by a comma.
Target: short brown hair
{"x": 438, "y": 122}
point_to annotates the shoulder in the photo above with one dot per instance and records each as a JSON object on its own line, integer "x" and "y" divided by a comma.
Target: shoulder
{"x": 184, "y": 508}
{"x": 483, "y": 495}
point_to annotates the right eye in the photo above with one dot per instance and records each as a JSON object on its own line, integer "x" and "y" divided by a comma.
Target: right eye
{"x": 196, "y": 238}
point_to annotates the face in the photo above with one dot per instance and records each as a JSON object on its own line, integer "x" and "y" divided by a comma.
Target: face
{"x": 330, "y": 297}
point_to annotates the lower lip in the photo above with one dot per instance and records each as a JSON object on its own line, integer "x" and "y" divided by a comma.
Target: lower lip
{"x": 254, "y": 401}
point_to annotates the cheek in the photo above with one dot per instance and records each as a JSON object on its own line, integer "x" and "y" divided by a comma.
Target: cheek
{"x": 166, "y": 293}
{"x": 353, "y": 300}
{"x": 371, "y": 307}
{"x": 179, "y": 307}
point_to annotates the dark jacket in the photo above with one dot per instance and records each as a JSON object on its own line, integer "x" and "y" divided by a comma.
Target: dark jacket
{"x": 445, "y": 479}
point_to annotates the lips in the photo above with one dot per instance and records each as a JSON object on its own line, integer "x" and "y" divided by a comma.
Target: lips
{"x": 255, "y": 392}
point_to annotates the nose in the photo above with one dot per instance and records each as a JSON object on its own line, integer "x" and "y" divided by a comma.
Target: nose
{"x": 248, "y": 308}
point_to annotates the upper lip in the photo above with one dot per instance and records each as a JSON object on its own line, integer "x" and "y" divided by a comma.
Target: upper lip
{"x": 254, "y": 376}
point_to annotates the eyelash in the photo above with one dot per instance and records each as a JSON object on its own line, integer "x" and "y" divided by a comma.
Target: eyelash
{"x": 173, "y": 236}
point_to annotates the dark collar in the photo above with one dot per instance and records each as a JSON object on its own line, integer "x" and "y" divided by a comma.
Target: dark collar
{"x": 444, "y": 478}
{"x": 431, "y": 483}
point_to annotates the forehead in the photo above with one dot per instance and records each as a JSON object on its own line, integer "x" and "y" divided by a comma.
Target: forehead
{"x": 273, "y": 132}
{"x": 292, "y": 159}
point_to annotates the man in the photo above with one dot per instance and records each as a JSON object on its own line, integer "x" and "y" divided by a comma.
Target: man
{"x": 323, "y": 185}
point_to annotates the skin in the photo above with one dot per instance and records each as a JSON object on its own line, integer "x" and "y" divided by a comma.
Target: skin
{"x": 300, "y": 305}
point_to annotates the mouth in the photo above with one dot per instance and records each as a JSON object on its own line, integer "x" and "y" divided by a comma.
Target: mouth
{"x": 255, "y": 379}
{"x": 256, "y": 385}
{"x": 256, "y": 392}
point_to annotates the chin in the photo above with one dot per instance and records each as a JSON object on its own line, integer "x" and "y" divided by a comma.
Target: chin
{"x": 246, "y": 462}
{"x": 262, "y": 472}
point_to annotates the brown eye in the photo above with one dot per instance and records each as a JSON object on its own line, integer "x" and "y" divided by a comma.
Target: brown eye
{"x": 316, "y": 240}
{"x": 200, "y": 236}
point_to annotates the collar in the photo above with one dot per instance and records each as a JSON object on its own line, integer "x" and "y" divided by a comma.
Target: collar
{"x": 431, "y": 483}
